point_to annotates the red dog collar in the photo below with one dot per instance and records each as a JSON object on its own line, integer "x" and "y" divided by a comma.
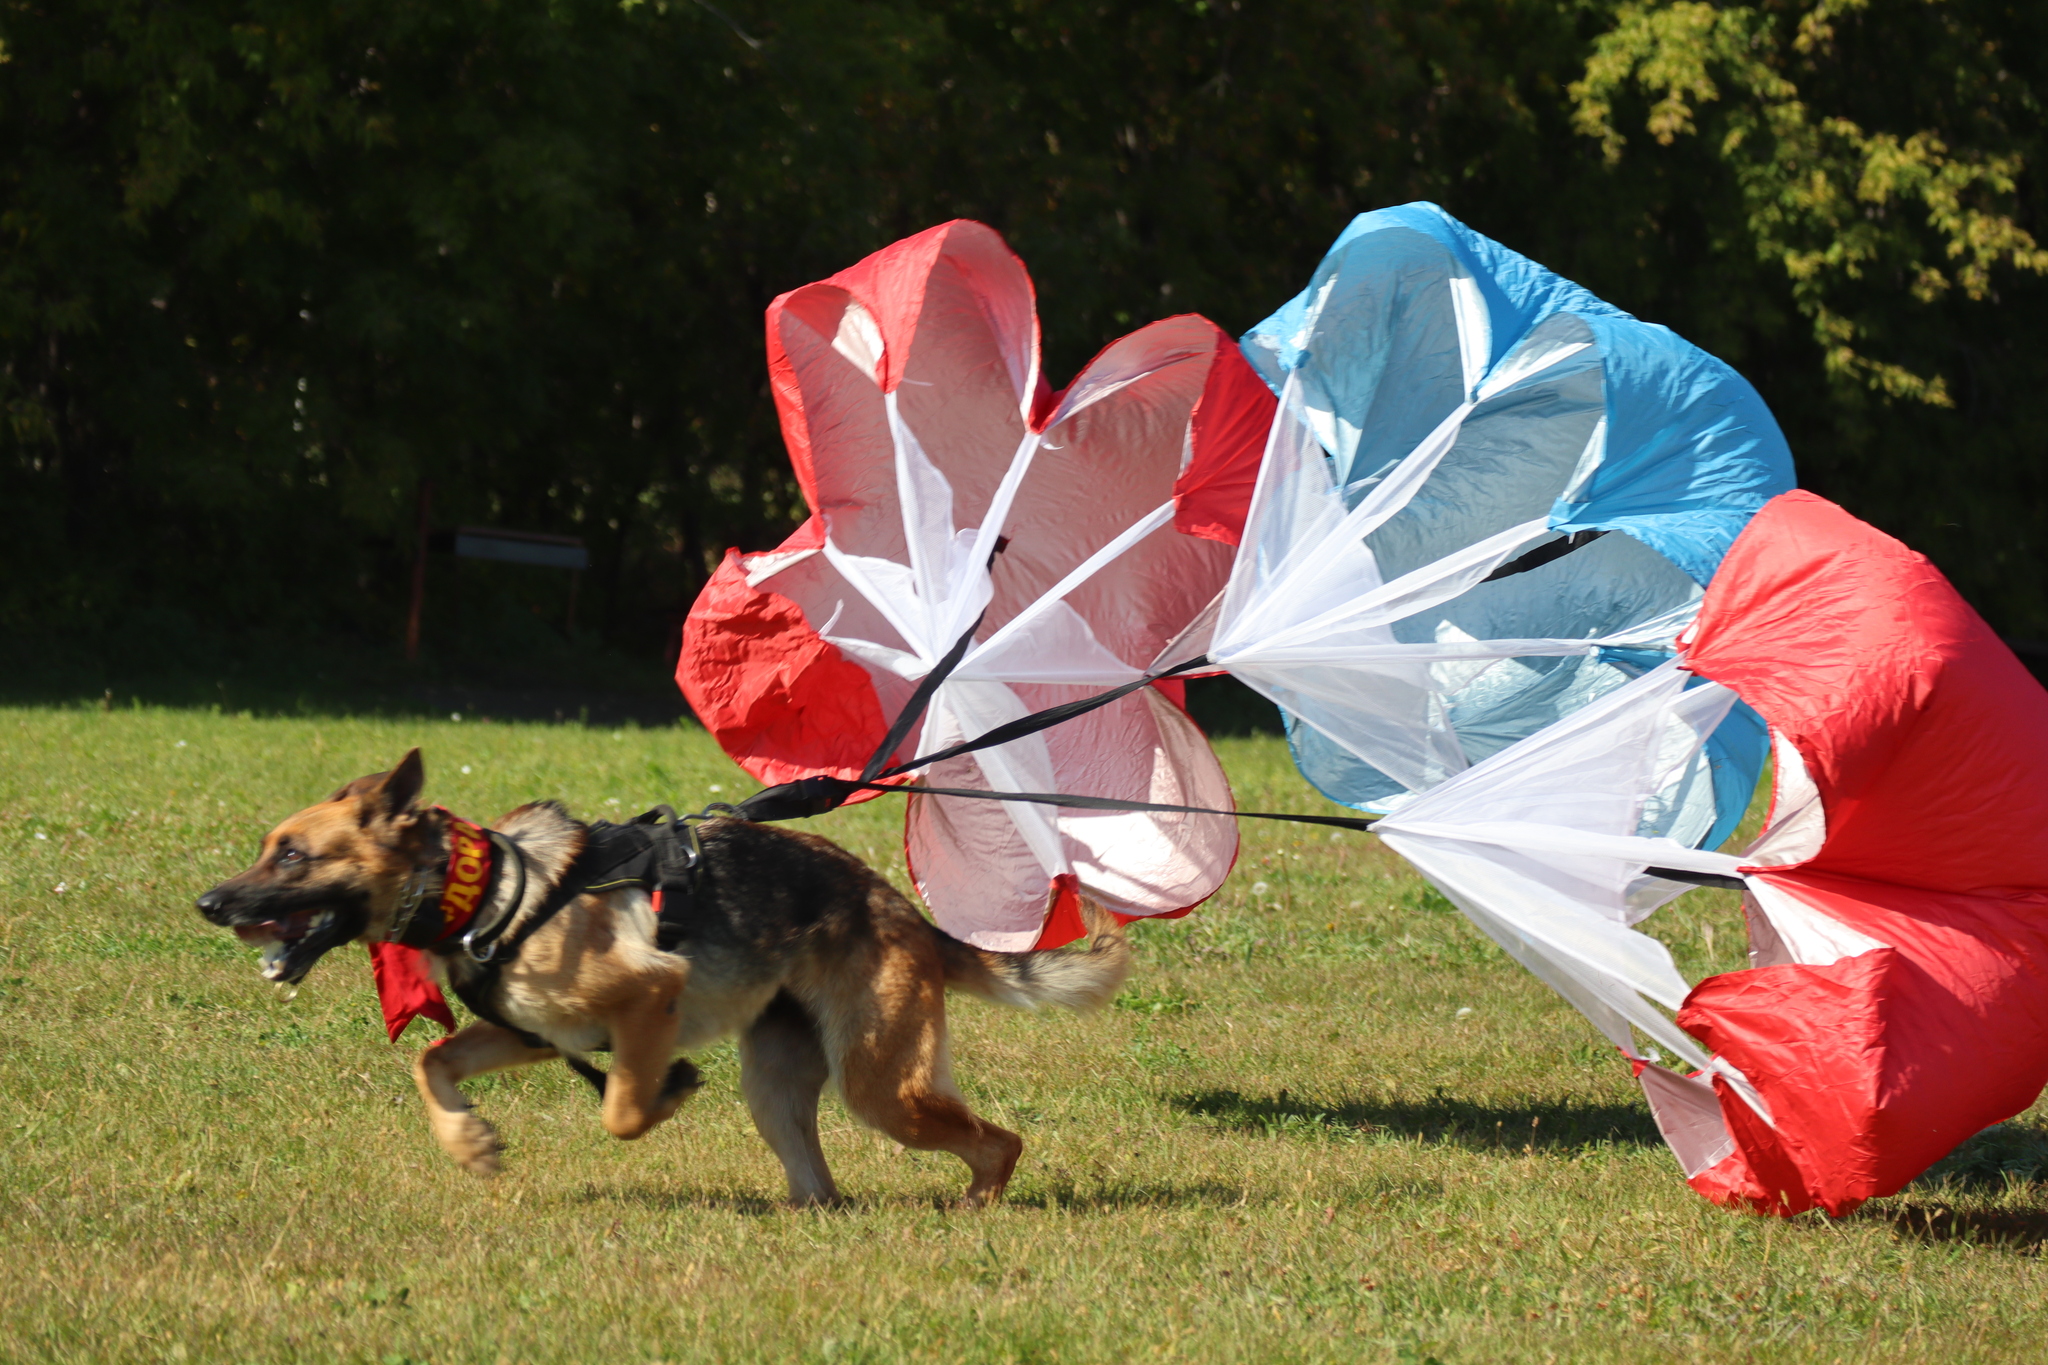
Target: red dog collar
{"x": 469, "y": 874}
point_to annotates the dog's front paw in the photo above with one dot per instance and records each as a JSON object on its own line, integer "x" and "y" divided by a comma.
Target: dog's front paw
{"x": 473, "y": 1143}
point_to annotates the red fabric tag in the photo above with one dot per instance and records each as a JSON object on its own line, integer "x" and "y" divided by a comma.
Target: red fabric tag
{"x": 405, "y": 990}
{"x": 1063, "y": 922}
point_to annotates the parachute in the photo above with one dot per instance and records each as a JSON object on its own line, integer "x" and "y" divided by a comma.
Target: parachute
{"x": 1488, "y": 500}
{"x": 1896, "y": 900}
{"x": 1524, "y": 574}
{"x": 1062, "y": 538}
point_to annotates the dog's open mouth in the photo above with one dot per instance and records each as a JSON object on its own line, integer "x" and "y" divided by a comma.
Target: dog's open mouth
{"x": 293, "y": 944}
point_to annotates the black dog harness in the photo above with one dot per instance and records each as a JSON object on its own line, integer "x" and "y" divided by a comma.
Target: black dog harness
{"x": 657, "y": 851}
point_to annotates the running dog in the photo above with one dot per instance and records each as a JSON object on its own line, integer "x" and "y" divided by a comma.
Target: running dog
{"x": 821, "y": 967}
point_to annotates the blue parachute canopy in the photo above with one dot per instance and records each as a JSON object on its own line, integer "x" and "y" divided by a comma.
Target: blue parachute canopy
{"x": 1490, "y": 499}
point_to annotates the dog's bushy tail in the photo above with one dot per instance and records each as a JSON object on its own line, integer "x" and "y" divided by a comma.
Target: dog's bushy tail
{"x": 1078, "y": 978}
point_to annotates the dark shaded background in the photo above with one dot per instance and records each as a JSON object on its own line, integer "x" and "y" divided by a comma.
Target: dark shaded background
{"x": 265, "y": 266}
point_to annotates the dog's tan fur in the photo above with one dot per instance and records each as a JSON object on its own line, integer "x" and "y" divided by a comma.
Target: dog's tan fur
{"x": 851, "y": 995}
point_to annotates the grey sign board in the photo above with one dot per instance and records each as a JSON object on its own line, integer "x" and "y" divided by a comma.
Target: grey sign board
{"x": 521, "y": 547}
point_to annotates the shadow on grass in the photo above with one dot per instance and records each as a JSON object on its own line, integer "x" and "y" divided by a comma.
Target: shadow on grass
{"x": 1056, "y": 1193}
{"x": 2006, "y": 1158}
{"x": 2018, "y": 1229}
{"x": 1065, "y": 1195}
{"x": 1553, "y": 1125}
{"x": 671, "y": 1199}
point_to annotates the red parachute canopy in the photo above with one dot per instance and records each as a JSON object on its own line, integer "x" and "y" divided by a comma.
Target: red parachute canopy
{"x": 1899, "y": 919}
{"x": 1089, "y": 527}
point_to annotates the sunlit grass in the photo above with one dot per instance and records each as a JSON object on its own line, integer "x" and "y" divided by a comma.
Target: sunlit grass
{"x": 1326, "y": 1121}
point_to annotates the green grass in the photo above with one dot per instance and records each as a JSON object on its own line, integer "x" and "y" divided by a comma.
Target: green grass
{"x": 1326, "y": 1121}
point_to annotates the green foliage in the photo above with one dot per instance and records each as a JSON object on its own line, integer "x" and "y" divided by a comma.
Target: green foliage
{"x": 272, "y": 265}
{"x": 268, "y": 266}
{"x": 1829, "y": 195}
{"x": 1883, "y": 157}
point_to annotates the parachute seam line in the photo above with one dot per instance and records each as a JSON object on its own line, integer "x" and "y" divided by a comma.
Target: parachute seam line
{"x": 1125, "y": 541}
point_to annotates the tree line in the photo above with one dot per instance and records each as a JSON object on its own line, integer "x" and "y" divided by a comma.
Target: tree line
{"x": 267, "y": 266}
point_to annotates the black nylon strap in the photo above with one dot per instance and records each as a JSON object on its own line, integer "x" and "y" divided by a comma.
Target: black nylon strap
{"x": 1713, "y": 879}
{"x": 913, "y": 710}
{"x": 818, "y": 795}
{"x": 806, "y": 796}
{"x": 1543, "y": 554}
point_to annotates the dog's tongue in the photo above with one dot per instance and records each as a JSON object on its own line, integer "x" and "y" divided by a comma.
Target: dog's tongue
{"x": 288, "y": 929}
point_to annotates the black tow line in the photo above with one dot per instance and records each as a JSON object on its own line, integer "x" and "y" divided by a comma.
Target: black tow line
{"x": 820, "y": 795}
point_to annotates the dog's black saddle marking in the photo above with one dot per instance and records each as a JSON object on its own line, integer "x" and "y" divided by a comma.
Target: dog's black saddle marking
{"x": 657, "y": 851}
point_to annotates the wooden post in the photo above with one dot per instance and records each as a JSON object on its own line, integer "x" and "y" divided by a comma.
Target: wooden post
{"x": 419, "y": 572}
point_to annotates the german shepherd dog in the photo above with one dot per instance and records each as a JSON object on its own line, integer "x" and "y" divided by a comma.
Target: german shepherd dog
{"x": 821, "y": 967}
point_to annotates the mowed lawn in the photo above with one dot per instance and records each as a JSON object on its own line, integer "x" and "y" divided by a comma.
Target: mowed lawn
{"x": 1326, "y": 1121}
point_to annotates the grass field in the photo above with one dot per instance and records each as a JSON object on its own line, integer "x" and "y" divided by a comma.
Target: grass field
{"x": 1326, "y": 1121}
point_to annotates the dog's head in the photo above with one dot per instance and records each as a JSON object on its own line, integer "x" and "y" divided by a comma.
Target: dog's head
{"x": 332, "y": 873}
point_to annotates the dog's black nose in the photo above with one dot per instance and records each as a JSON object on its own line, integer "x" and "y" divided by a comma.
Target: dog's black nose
{"x": 212, "y": 903}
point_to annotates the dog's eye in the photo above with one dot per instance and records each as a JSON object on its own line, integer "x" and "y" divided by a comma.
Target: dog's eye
{"x": 291, "y": 855}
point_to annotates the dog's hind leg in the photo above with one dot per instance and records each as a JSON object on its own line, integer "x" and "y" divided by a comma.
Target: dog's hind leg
{"x": 439, "y": 1073}
{"x": 782, "y": 1074}
{"x": 896, "y": 1075}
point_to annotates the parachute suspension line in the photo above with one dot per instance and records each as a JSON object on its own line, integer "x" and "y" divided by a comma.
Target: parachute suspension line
{"x": 1713, "y": 879}
{"x": 988, "y": 537}
{"x": 821, "y": 795}
{"x": 1353, "y": 822}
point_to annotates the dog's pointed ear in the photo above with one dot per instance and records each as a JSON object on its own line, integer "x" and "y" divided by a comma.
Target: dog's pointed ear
{"x": 387, "y": 795}
{"x": 401, "y": 786}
